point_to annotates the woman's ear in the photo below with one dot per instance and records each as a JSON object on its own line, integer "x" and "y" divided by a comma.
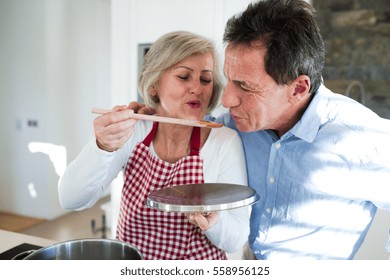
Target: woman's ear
{"x": 153, "y": 91}
{"x": 154, "y": 95}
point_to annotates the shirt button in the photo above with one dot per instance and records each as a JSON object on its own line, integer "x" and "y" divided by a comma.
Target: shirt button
{"x": 278, "y": 145}
{"x": 272, "y": 180}
{"x": 268, "y": 210}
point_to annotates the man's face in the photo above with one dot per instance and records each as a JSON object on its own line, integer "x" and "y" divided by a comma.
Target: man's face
{"x": 255, "y": 101}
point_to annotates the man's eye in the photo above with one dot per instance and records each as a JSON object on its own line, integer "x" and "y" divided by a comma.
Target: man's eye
{"x": 244, "y": 86}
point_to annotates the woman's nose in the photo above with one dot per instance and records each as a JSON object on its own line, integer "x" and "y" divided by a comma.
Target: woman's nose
{"x": 196, "y": 87}
{"x": 229, "y": 98}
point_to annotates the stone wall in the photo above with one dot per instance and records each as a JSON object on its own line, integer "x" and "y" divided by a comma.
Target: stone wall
{"x": 357, "y": 41}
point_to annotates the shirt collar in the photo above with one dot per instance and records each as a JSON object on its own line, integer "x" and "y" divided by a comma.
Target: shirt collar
{"x": 315, "y": 115}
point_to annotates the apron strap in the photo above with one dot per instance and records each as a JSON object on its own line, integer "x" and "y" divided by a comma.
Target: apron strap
{"x": 148, "y": 139}
{"x": 194, "y": 142}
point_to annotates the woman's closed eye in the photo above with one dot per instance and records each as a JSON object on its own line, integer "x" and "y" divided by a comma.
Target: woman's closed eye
{"x": 206, "y": 80}
{"x": 203, "y": 80}
{"x": 184, "y": 78}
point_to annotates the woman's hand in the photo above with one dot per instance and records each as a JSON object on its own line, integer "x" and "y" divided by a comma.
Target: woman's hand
{"x": 203, "y": 221}
{"x": 141, "y": 108}
{"x": 112, "y": 130}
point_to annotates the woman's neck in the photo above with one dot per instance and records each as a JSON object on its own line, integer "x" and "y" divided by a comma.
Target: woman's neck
{"x": 172, "y": 142}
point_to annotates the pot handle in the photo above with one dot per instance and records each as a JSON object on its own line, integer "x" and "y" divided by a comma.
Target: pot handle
{"x": 22, "y": 255}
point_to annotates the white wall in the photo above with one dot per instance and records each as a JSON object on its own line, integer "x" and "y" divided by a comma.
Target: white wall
{"x": 55, "y": 61}
{"x": 373, "y": 247}
{"x": 143, "y": 21}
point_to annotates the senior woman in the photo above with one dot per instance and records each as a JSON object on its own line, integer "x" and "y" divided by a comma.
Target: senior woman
{"x": 180, "y": 79}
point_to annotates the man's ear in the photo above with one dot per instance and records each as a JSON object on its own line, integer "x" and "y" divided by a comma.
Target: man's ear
{"x": 300, "y": 88}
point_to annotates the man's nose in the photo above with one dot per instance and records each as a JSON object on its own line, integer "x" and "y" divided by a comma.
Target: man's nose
{"x": 229, "y": 98}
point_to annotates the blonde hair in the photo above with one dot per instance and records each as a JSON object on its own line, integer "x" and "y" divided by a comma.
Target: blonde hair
{"x": 169, "y": 50}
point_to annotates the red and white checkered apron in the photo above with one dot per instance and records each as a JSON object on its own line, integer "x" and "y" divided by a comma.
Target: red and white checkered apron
{"x": 158, "y": 234}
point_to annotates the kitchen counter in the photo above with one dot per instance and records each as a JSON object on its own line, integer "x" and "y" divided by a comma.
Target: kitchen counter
{"x": 9, "y": 239}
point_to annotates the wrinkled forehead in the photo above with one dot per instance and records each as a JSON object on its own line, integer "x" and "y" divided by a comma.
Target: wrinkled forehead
{"x": 244, "y": 56}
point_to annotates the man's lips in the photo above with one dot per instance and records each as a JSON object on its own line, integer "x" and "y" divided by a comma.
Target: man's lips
{"x": 233, "y": 115}
{"x": 236, "y": 117}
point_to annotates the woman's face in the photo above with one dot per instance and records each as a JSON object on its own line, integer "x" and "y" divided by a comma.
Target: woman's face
{"x": 185, "y": 89}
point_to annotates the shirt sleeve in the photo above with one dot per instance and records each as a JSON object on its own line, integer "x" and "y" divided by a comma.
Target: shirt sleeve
{"x": 89, "y": 175}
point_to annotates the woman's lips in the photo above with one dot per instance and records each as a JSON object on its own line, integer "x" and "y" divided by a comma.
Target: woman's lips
{"x": 194, "y": 103}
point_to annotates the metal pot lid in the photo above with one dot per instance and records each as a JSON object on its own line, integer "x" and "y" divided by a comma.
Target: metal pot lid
{"x": 206, "y": 197}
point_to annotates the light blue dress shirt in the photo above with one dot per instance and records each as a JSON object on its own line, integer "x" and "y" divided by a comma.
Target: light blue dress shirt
{"x": 320, "y": 184}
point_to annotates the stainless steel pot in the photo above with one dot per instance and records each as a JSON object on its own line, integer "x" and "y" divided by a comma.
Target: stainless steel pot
{"x": 85, "y": 249}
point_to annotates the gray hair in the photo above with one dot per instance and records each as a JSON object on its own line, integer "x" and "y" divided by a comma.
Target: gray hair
{"x": 169, "y": 50}
{"x": 288, "y": 30}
